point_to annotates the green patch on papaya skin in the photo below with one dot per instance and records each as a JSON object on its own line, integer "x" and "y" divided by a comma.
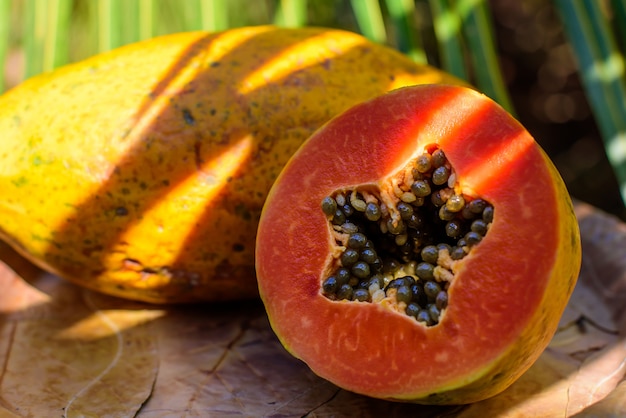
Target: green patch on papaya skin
{"x": 20, "y": 181}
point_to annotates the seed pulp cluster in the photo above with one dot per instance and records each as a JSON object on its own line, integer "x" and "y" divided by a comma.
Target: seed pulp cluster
{"x": 398, "y": 246}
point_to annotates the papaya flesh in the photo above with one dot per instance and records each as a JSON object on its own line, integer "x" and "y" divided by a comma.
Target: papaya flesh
{"x": 504, "y": 297}
{"x": 142, "y": 172}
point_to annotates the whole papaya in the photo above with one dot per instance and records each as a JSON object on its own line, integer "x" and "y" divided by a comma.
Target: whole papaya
{"x": 142, "y": 172}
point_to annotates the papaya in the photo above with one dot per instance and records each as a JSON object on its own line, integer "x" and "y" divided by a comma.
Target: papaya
{"x": 419, "y": 247}
{"x": 141, "y": 172}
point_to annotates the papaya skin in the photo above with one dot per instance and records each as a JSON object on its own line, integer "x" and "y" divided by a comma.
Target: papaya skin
{"x": 508, "y": 293}
{"x": 142, "y": 172}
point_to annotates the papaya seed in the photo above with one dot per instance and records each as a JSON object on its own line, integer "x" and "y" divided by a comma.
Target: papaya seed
{"x": 488, "y": 214}
{"x": 349, "y": 228}
{"x": 441, "y": 300}
{"x": 406, "y": 210}
{"x": 466, "y": 212}
{"x": 429, "y": 254}
{"x": 401, "y": 240}
{"x": 349, "y": 257}
{"x": 445, "y": 214}
{"x": 425, "y": 271}
{"x": 361, "y": 269}
{"x": 434, "y": 312}
{"x": 421, "y": 188}
{"x": 473, "y": 238}
{"x": 419, "y": 296}
{"x": 453, "y": 228}
{"x": 395, "y": 227}
{"x": 438, "y": 158}
{"x": 431, "y": 289}
{"x": 424, "y": 317}
{"x": 330, "y": 285}
{"x": 368, "y": 255}
{"x": 412, "y": 309}
{"x": 423, "y": 163}
{"x": 440, "y": 175}
{"x": 455, "y": 203}
{"x": 400, "y": 281}
{"x": 357, "y": 241}
{"x": 358, "y": 204}
{"x": 404, "y": 294}
{"x": 390, "y": 265}
{"x": 361, "y": 295}
{"x": 343, "y": 276}
{"x": 479, "y": 226}
{"x": 340, "y": 199}
{"x": 339, "y": 217}
{"x": 329, "y": 206}
{"x": 345, "y": 292}
{"x": 376, "y": 279}
{"x": 477, "y": 206}
{"x": 444, "y": 247}
{"x": 457, "y": 253}
{"x": 348, "y": 210}
{"x": 372, "y": 212}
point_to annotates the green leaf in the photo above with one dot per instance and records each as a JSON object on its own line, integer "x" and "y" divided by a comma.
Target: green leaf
{"x": 109, "y": 24}
{"x": 448, "y": 30}
{"x": 478, "y": 31}
{"x": 402, "y": 14}
{"x": 291, "y": 13}
{"x": 5, "y": 19}
{"x": 602, "y": 69}
{"x": 369, "y": 17}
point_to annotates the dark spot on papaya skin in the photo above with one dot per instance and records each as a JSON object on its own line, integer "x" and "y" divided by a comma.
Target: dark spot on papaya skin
{"x": 238, "y": 247}
{"x": 121, "y": 211}
{"x": 87, "y": 251}
{"x": 243, "y": 212}
{"x": 497, "y": 376}
{"x": 188, "y": 117}
{"x": 572, "y": 283}
{"x": 197, "y": 149}
{"x": 574, "y": 239}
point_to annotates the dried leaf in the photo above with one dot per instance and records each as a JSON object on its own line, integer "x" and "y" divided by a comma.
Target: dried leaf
{"x": 71, "y": 352}
{"x": 64, "y": 351}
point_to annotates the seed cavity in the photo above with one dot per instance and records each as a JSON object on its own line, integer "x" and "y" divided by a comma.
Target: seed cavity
{"x": 400, "y": 245}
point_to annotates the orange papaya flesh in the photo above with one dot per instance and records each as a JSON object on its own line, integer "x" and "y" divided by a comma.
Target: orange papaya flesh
{"x": 507, "y": 294}
{"x": 142, "y": 172}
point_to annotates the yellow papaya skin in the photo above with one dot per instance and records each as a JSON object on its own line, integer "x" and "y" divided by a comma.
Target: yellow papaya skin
{"x": 142, "y": 172}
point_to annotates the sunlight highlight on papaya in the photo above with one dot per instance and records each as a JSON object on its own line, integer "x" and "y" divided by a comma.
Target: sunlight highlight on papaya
{"x": 308, "y": 53}
{"x": 482, "y": 175}
{"x": 193, "y": 195}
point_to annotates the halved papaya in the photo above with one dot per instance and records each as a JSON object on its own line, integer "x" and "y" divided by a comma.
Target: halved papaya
{"x": 419, "y": 247}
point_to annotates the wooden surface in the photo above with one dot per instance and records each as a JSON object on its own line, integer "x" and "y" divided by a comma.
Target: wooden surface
{"x": 66, "y": 351}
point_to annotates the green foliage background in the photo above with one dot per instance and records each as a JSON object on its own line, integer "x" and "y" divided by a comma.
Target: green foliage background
{"x": 557, "y": 65}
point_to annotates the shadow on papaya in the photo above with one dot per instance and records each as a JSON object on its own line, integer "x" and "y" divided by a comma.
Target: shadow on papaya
{"x": 142, "y": 172}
